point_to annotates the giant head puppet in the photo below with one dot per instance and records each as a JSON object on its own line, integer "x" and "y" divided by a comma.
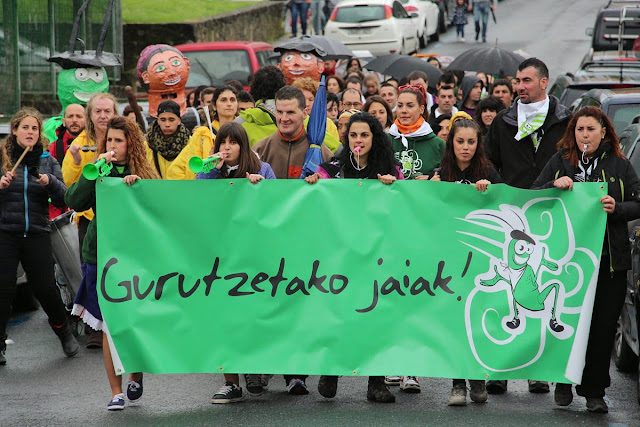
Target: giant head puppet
{"x": 163, "y": 72}
{"x": 301, "y": 58}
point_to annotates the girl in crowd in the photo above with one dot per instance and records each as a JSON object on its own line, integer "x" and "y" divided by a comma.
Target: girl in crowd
{"x": 378, "y": 107}
{"x": 225, "y": 110}
{"x": 441, "y": 126}
{"x": 415, "y": 145}
{"x": 486, "y": 111}
{"x": 366, "y": 154}
{"x": 166, "y": 137}
{"x": 123, "y": 146}
{"x": 237, "y": 160}
{"x": 335, "y": 84}
{"x": 464, "y": 161}
{"x": 371, "y": 85}
{"x": 589, "y": 151}
{"x": 332, "y": 107}
{"x": 24, "y": 230}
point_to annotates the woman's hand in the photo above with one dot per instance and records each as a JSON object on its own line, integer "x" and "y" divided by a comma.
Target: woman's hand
{"x": 482, "y": 185}
{"x": 220, "y": 160}
{"x": 6, "y": 180}
{"x": 435, "y": 177}
{"x": 563, "y": 183}
{"x": 254, "y": 178}
{"x": 44, "y": 179}
{"x": 108, "y": 156}
{"x": 608, "y": 204}
{"x": 312, "y": 179}
{"x": 386, "y": 179}
{"x": 422, "y": 177}
{"x": 130, "y": 179}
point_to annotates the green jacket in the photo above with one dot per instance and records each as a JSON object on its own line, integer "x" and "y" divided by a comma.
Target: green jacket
{"x": 81, "y": 196}
{"x": 422, "y": 155}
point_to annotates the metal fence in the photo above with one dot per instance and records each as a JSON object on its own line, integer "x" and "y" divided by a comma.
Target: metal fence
{"x": 33, "y": 30}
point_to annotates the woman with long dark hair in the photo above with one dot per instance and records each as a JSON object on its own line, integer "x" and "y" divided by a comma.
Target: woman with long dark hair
{"x": 590, "y": 151}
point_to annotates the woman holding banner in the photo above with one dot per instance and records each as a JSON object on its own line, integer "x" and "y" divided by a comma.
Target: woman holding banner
{"x": 366, "y": 154}
{"x": 590, "y": 152}
{"x": 24, "y": 229}
{"x": 122, "y": 148}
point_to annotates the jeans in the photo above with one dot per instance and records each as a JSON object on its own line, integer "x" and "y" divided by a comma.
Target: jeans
{"x": 460, "y": 30}
{"x": 481, "y": 11}
{"x": 299, "y": 10}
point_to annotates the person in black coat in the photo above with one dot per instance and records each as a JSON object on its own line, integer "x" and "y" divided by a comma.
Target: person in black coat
{"x": 24, "y": 226}
{"x": 589, "y": 151}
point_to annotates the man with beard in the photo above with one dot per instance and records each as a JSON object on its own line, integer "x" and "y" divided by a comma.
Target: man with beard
{"x": 72, "y": 124}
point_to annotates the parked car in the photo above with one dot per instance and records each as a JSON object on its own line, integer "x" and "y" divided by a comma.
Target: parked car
{"x": 621, "y": 105}
{"x": 569, "y": 87}
{"x": 446, "y": 8}
{"x": 615, "y": 28}
{"x": 428, "y": 14}
{"x": 379, "y": 26}
{"x": 213, "y": 63}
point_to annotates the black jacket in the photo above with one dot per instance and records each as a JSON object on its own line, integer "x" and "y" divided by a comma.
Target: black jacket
{"x": 24, "y": 205}
{"x": 624, "y": 187}
{"x": 517, "y": 161}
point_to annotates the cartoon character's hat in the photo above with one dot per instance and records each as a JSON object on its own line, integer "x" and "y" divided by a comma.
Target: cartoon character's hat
{"x": 521, "y": 235}
{"x": 93, "y": 58}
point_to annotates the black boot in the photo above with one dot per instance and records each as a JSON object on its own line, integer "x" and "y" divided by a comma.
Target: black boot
{"x": 69, "y": 344}
{"x": 328, "y": 386}
{"x": 378, "y": 391}
{"x": 3, "y": 348}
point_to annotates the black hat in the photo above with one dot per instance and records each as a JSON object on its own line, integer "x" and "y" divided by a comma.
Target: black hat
{"x": 301, "y": 45}
{"x": 169, "y": 107}
{"x": 521, "y": 235}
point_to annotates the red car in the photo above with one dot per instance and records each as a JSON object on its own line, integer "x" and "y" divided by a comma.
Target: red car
{"x": 213, "y": 63}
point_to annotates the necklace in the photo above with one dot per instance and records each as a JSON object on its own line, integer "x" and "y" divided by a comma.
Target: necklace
{"x": 356, "y": 165}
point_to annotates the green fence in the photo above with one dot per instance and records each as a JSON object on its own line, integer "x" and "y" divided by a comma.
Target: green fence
{"x": 33, "y": 30}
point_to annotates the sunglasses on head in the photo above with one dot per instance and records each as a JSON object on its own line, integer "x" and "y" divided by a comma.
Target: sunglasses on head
{"x": 414, "y": 88}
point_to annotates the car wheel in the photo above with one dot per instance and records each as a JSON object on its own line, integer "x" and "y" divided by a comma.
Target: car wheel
{"x": 435, "y": 36}
{"x": 624, "y": 358}
{"x": 443, "y": 18}
{"x": 423, "y": 39}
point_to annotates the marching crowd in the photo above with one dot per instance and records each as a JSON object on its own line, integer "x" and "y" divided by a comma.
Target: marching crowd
{"x": 471, "y": 129}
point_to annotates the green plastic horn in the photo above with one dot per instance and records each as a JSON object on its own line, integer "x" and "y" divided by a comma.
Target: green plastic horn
{"x": 92, "y": 171}
{"x": 197, "y": 165}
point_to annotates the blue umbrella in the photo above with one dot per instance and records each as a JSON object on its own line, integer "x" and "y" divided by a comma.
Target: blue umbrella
{"x": 316, "y": 129}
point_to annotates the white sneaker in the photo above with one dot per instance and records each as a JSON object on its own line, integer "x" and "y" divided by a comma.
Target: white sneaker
{"x": 410, "y": 385}
{"x": 462, "y": 39}
{"x": 392, "y": 380}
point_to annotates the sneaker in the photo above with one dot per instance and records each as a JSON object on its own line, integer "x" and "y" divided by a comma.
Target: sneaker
{"x": 264, "y": 379}
{"x": 254, "y": 384}
{"x": 328, "y": 386}
{"x": 563, "y": 394}
{"x": 117, "y": 403}
{"x": 410, "y": 385}
{"x": 496, "y": 386}
{"x": 458, "y": 396}
{"x": 462, "y": 39}
{"x": 597, "y": 405}
{"x": 297, "y": 386}
{"x": 228, "y": 393}
{"x": 538, "y": 386}
{"x": 478, "y": 391}
{"x": 134, "y": 389}
{"x": 393, "y": 380}
{"x": 377, "y": 391}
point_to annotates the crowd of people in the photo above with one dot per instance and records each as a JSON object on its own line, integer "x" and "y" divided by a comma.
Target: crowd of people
{"x": 472, "y": 129}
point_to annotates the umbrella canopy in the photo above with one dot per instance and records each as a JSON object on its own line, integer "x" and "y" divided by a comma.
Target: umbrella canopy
{"x": 403, "y": 65}
{"x": 334, "y": 48}
{"x": 490, "y": 60}
{"x": 381, "y": 63}
{"x": 316, "y": 130}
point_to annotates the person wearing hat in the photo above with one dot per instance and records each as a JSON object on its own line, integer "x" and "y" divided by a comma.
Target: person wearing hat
{"x": 166, "y": 137}
{"x": 301, "y": 58}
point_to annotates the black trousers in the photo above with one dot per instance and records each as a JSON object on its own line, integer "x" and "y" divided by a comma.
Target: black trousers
{"x": 83, "y": 224}
{"x": 610, "y": 295}
{"x": 35, "y": 254}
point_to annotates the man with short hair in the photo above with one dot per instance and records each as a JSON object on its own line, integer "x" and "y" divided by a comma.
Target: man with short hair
{"x": 389, "y": 93}
{"x": 73, "y": 123}
{"x": 353, "y": 83}
{"x": 502, "y": 89}
{"x": 521, "y": 140}
{"x": 420, "y": 78}
{"x": 285, "y": 149}
{"x": 351, "y": 100}
{"x": 446, "y": 103}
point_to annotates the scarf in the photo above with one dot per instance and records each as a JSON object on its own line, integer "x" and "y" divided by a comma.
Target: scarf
{"x": 170, "y": 147}
{"x": 31, "y": 160}
{"x": 530, "y": 118}
{"x": 419, "y": 128}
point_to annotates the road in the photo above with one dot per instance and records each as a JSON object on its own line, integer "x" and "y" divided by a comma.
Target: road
{"x": 39, "y": 386}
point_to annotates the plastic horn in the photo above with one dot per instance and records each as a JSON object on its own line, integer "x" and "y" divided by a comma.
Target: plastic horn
{"x": 197, "y": 165}
{"x": 92, "y": 171}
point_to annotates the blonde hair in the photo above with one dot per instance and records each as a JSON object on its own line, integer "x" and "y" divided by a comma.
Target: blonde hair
{"x": 307, "y": 83}
{"x": 90, "y": 127}
{"x": 6, "y": 150}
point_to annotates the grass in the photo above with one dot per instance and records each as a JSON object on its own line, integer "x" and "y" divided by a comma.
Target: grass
{"x": 171, "y": 11}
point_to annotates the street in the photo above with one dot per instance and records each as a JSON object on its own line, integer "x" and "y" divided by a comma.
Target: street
{"x": 40, "y": 386}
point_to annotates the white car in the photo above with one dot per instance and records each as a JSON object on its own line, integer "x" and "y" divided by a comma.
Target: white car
{"x": 428, "y": 14}
{"x": 379, "y": 26}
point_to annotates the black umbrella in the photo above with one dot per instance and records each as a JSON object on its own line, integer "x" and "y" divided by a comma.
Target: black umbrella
{"x": 490, "y": 60}
{"x": 399, "y": 66}
{"x": 320, "y": 45}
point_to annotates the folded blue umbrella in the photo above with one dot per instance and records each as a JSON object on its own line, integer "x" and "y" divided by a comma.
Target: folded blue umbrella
{"x": 316, "y": 130}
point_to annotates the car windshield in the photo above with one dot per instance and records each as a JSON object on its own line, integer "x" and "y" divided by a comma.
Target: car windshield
{"x": 622, "y": 114}
{"x": 354, "y": 14}
{"x": 214, "y": 67}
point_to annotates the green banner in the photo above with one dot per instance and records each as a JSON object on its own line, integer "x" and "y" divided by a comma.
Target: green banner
{"x": 349, "y": 277}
